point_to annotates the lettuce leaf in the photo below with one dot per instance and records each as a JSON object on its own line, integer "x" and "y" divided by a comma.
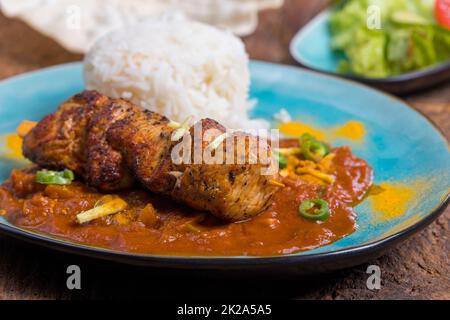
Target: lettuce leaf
{"x": 367, "y": 54}
{"x": 409, "y": 38}
{"x": 442, "y": 43}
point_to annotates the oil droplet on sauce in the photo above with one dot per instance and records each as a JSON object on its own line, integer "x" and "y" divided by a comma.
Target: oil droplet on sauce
{"x": 351, "y": 130}
{"x": 11, "y": 146}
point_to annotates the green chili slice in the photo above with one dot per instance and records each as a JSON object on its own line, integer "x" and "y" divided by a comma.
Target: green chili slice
{"x": 54, "y": 177}
{"x": 313, "y": 149}
{"x": 282, "y": 160}
{"x": 305, "y": 137}
{"x": 315, "y": 209}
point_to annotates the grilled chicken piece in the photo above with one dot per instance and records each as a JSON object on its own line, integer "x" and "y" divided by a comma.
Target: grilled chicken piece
{"x": 74, "y": 138}
{"x": 58, "y": 141}
{"x": 233, "y": 191}
{"x": 144, "y": 139}
{"x": 105, "y": 168}
{"x": 229, "y": 191}
{"x": 112, "y": 143}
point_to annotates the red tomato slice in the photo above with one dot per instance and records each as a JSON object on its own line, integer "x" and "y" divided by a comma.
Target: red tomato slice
{"x": 443, "y": 12}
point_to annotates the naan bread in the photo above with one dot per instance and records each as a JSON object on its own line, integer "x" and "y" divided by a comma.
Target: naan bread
{"x": 77, "y": 24}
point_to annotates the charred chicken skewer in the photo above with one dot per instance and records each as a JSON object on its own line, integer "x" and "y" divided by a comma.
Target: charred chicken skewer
{"x": 113, "y": 144}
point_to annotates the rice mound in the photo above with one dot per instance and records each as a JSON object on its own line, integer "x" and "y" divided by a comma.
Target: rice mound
{"x": 176, "y": 67}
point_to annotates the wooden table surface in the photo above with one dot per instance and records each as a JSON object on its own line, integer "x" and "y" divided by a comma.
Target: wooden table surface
{"x": 416, "y": 269}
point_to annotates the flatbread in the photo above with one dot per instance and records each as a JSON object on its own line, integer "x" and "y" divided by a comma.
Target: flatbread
{"x": 77, "y": 24}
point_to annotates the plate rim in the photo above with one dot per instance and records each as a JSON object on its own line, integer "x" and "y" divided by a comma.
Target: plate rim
{"x": 403, "y": 77}
{"x": 178, "y": 261}
{"x": 371, "y": 248}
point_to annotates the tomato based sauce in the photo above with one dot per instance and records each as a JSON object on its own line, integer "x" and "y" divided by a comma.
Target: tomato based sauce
{"x": 156, "y": 224}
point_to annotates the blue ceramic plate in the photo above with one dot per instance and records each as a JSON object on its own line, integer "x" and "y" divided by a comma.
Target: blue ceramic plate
{"x": 406, "y": 151}
{"x": 311, "y": 48}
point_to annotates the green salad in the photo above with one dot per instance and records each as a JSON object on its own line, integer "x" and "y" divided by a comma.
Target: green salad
{"x": 403, "y": 37}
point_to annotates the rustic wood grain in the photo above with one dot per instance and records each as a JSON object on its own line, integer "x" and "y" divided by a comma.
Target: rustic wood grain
{"x": 415, "y": 269}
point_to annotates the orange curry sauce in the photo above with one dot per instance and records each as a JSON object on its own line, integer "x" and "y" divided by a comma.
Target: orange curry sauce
{"x": 178, "y": 230}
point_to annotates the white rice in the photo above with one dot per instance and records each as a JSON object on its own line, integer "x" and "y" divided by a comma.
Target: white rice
{"x": 282, "y": 116}
{"x": 176, "y": 67}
